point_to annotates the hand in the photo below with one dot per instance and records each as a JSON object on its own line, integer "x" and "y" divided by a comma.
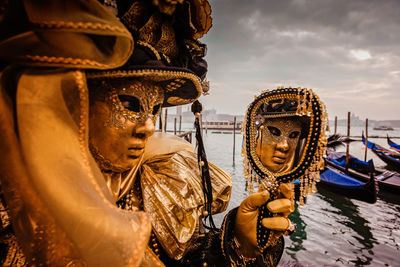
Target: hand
{"x": 246, "y": 218}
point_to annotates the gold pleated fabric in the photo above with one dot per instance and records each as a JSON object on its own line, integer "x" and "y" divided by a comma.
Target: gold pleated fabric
{"x": 75, "y": 220}
{"x": 73, "y": 33}
{"x": 172, "y": 191}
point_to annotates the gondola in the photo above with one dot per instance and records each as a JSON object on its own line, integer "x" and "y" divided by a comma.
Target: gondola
{"x": 338, "y": 182}
{"x": 393, "y": 145}
{"x": 387, "y": 180}
{"x": 341, "y": 183}
{"x": 391, "y": 158}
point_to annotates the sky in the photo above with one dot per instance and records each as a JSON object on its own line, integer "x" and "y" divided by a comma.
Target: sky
{"x": 347, "y": 51}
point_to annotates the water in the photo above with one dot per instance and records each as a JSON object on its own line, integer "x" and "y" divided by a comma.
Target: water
{"x": 331, "y": 230}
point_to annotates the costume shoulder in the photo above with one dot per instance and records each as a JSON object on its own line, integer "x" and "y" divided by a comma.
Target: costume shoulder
{"x": 171, "y": 155}
{"x": 172, "y": 191}
{"x": 161, "y": 144}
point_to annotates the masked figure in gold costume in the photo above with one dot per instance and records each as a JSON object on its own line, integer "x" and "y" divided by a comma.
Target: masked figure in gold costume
{"x": 84, "y": 182}
{"x": 60, "y": 204}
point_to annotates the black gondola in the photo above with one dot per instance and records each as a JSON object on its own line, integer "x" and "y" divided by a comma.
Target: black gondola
{"x": 387, "y": 180}
{"x": 341, "y": 183}
{"x": 391, "y": 158}
{"x": 393, "y": 145}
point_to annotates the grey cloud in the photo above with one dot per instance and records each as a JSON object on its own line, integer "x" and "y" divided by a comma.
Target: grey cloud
{"x": 258, "y": 44}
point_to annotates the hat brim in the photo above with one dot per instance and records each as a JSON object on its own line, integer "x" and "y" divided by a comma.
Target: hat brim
{"x": 180, "y": 85}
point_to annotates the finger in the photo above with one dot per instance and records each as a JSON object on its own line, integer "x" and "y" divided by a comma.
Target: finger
{"x": 285, "y": 214}
{"x": 276, "y": 223}
{"x": 287, "y": 190}
{"x": 281, "y": 205}
{"x": 255, "y": 200}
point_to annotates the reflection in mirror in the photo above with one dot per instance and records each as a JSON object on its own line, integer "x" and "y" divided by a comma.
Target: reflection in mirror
{"x": 284, "y": 139}
{"x": 277, "y": 141}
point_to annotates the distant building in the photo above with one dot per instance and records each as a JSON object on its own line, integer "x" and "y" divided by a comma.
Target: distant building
{"x": 208, "y": 115}
{"x": 356, "y": 121}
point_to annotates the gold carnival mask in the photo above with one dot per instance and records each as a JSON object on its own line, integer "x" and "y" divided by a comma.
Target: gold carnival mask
{"x": 135, "y": 102}
{"x": 284, "y": 141}
{"x": 122, "y": 117}
{"x": 276, "y": 143}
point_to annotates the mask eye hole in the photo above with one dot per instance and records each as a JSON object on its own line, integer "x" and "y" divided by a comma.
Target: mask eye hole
{"x": 156, "y": 108}
{"x": 294, "y": 134}
{"x": 273, "y": 130}
{"x": 130, "y": 102}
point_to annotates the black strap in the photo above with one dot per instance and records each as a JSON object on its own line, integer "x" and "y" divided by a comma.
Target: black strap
{"x": 204, "y": 168}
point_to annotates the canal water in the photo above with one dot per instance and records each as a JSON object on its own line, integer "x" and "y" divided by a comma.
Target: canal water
{"x": 332, "y": 230}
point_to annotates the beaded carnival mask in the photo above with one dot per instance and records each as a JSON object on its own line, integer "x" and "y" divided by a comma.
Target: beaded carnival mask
{"x": 277, "y": 140}
{"x": 284, "y": 141}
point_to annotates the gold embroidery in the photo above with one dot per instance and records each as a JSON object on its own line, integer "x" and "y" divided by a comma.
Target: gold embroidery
{"x": 160, "y": 34}
{"x": 136, "y": 16}
{"x": 68, "y": 60}
{"x": 167, "y": 42}
{"x": 174, "y": 100}
{"x": 174, "y": 85}
{"x": 151, "y": 48}
{"x": 80, "y": 25}
{"x": 156, "y": 76}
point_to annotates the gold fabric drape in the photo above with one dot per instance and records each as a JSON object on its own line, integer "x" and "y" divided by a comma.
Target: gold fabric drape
{"x": 74, "y": 219}
{"x": 172, "y": 191}
{"x": 59, "y": 205}
{"x": 73, "y": 33}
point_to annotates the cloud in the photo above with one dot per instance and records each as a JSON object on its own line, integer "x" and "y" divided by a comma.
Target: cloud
{"x": 347, "y": 51}
{"x": 360, "y": 54}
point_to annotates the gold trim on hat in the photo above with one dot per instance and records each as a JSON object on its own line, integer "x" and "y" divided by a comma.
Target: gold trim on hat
{"x": 157, "y": 75}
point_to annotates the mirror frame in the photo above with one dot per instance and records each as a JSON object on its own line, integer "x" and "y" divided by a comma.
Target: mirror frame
{"x": 308, "y": 105}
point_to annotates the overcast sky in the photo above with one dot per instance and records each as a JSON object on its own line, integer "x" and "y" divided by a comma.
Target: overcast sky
{"x": 347, "y": 51}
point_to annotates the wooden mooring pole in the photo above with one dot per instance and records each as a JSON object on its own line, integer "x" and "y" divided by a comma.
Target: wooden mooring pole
{"x": 335, "y": 124}
{"x": 160, "y": 120}
{"x": 180, "y": 123}
{"x": 366, "y": 139}
{"x": 234, "y": 140}
{"x": 165, "y": 120}
{"x": 348, "y": 143}
{"x": 175, "y": 126}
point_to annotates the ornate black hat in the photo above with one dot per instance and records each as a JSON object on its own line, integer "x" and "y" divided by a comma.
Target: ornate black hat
{"x": 154, "y": 39}
{"x": 166, "y": 47}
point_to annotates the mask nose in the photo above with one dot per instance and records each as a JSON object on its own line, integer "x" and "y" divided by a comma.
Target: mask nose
{"x": 144, "y": 129}
{"x": 283, "y": 145}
